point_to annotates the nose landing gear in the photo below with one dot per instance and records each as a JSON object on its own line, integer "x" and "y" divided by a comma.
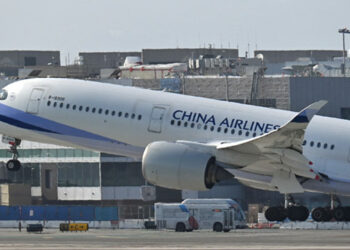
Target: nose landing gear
{"x": 13, "y": 164}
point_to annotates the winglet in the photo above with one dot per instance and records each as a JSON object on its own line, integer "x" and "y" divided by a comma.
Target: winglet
{"x": 307, "y": 113}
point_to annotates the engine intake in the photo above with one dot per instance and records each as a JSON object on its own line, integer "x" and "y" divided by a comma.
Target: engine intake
{"x": 178, "y": 166}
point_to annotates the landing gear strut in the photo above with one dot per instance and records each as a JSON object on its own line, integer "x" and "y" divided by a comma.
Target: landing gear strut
{"x": 290, "y": 210}
{"x": 14, "y": 164}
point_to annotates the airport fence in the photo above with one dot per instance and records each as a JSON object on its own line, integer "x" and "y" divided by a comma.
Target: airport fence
{"x": 61, "y": 213}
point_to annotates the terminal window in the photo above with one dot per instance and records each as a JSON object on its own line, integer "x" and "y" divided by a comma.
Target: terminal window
{"x": 29, "y": 61}
{"x": 121, "y": 174}
{"x": 345, "y": 113}
{"x": 78, "y": 175}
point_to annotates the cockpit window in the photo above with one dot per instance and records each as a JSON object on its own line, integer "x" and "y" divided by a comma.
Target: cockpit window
{"x": 3, "y": 94}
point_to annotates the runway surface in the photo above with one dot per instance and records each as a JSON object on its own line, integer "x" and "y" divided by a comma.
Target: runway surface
{"x": 143, "y": 239}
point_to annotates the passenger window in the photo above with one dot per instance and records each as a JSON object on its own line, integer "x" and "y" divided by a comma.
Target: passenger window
{"x": 48, "y": 103}
{"x": 87, "y": 109}
{"x": 247, "y": 133}
{"x": 219, "y": 129}
{"x": 325, "y": 146}
{"x": 139, "y": 117}
{"x": 74, "y": 107}
{"x": 212, "y": 128}
{"x": 132, "y": 116}
{"x": 304, "y": 142}
{"x": 319, "y": 144}
{"x": 205, "y": 127}
{"x": 80, "y": 108}
{"x": 100, "y": 111}
{"x": 240, "y": 132}
{"x": 120, "y": 114}
{"x": 106, "y": 112}
{"x": 113, "y": 113}
{"x": 254, "y": 134}
{"x": 67, "y": 106}
{"x": 199, "y": 126}
{"x": 332, "y": 147}
{"x": 61, "y": 105}
{"x": 185, "y": 124}
{"x": 54, "y": 104}
{"x": 126, "y": 115}
{"x": 225, "y": 130}
{"x": 232, "y": 131}
{"x": 192, "y": 125}
{"x": 178, "y": 123}
{"x": 93, "y": 110}
{"x": 311, "y": 144}
{"x": 172, "y": 122}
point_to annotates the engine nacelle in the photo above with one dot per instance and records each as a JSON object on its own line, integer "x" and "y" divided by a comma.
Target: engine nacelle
{"x": 178, "y": 166}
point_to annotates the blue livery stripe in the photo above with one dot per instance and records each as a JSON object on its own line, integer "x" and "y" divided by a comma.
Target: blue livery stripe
{"x": 28, "y": 121}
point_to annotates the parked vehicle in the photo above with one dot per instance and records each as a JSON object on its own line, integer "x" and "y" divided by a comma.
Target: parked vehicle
{"x": 192, "y": 214}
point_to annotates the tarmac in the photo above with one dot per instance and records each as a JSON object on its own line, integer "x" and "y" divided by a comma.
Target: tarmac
{"x": 249, "y": 239}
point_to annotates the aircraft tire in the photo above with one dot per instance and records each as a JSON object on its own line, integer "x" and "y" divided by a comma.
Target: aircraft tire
{"x": 275, "y": 214}
{"x": 217, "y": 227}
{"x": 339, "y": 214}
{"x": 347, "y": 213}
{"x": 328, "y": 214}
{"x": 321, "y": 214}
{"x": 13, "y": 165}
{"x": 180, "y": 227}
{"x": 298, "y": 213}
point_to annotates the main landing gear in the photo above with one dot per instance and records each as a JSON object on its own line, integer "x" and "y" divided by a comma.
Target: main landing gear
{"x": 300, "y": 213}
{"x": 290, "y": 210}
{"x": 13, "y": 164}
{"x": 338, "y": 213}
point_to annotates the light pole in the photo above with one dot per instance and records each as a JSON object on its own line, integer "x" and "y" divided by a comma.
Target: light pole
{"x": 344, "y": 31}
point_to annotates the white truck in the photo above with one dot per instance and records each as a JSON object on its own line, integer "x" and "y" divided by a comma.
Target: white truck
{"x": 192, "y": 214}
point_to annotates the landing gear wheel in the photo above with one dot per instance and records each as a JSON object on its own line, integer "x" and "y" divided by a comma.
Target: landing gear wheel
{"x": 347, "y": 213}
{"x": 328, "y": 215}
{"x": 13, "y": 165}
{"x": 298, "y": 213}
{"x": 321, "y": 214}
{"x": 275, "y": 214}
{"x": 180, "y": 227}
{"x": 217, "y": 227}
{"x": 318, "y": 214}
{"x": 226, "y": 230}
{"x": 339, "y": 214}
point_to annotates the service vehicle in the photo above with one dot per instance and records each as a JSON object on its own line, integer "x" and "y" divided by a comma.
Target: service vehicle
{"x": 192, "y": 214}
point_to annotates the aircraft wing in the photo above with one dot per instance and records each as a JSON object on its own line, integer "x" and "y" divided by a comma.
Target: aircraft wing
{"x": 281, "y": 151}
{"x": 277, "y": 154}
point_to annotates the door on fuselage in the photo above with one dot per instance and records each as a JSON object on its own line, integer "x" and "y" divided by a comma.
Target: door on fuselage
{"x": 156, "y": 121}
{"x": 34, "y": 100}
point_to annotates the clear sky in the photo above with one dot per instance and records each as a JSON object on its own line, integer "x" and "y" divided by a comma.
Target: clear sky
{"x": 73, "y": 26}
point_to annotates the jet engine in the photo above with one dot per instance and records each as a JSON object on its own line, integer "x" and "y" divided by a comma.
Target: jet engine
{"x": 178, "y": 166}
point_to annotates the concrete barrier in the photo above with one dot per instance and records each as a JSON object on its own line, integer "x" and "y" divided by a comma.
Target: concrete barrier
{"x": 316, "y": 225}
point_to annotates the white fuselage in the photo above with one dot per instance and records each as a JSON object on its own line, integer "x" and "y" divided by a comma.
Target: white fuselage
{"x": 124, "y": 120}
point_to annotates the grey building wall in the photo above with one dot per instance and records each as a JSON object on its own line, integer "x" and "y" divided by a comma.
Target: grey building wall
{"x": 95, "y": 61}
{"x": 280, "y": 56}
{"x": 158, "y": 56}
{"x": 305, "y": 90}
{"x": 239, "y": 88}
{"x": 275, "y": 60}
{"x": 10, "y": 61}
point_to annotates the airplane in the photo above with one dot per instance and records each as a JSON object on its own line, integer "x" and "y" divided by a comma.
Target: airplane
{"x": 188, "y": 142}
